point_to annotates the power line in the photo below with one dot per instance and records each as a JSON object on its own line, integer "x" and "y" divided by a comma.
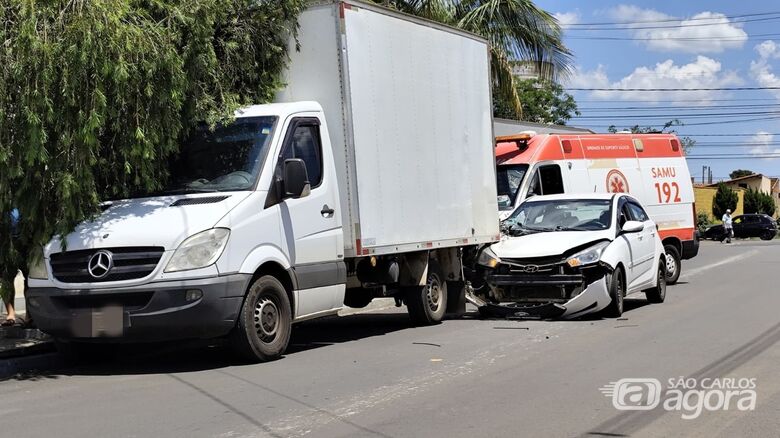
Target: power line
{"x": 735, "y": 99}
{"x": 678, "y": 89}
{"x": 700, "y": 123}
{"x": 755, "y": 37}
{"x": 677, "y": 26}
{"x": 678, "y": 116}
{"x": 726, "y": 135}
{"x": 683, "y": 108}
{"x": 668, "y": 20}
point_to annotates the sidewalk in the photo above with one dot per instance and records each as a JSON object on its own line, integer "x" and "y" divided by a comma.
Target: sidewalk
{"x": 17, "y": 341}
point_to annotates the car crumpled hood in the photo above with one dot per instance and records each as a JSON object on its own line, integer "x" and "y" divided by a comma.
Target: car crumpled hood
{"x": 148, "y": 222}
{"x": 547, "y": 243}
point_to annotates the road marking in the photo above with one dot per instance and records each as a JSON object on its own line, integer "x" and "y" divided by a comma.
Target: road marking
{"x": 735, "y": 258}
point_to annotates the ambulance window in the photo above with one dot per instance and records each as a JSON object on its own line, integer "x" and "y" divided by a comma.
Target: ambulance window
{"x": 548, "y": 181}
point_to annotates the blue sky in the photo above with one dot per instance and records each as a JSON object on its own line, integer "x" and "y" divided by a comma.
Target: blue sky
{"x": 681, "y": 44}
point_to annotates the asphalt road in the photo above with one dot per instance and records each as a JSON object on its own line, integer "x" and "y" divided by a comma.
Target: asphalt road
{"x": 374, "y": 375}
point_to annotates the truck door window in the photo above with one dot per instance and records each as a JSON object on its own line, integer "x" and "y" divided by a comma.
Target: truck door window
{"x": 547, "y": 180}
{"x": 305, "y": 144}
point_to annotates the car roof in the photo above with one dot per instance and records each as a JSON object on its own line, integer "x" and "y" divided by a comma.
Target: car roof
{"x": 581, "y": 196}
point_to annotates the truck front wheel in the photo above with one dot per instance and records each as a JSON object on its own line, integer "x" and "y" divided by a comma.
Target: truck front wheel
{"x": 264, "y": 323}
{"x": 427, "y": 304}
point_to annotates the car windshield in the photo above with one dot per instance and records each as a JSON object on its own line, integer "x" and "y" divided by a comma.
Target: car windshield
{"x": 225, "y": 159}
{"x": 509, "y": 179}
{"x": 560, "y": 215}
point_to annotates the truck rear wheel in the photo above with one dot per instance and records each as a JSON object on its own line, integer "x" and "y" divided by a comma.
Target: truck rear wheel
{"x": 264, "y": 323}
{"x": 427, "y": 304}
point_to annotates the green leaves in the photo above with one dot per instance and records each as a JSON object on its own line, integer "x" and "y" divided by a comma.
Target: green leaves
{"x": 96, "y": 95}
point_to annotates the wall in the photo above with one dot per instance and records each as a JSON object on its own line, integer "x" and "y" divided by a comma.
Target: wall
{"x": 704, "y": 196}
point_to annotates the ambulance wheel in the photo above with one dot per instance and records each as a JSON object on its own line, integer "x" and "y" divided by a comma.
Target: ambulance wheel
{"x": 264, "y": 323}
{"x": 673, "y": 264}
{"x": 427, "y": 304}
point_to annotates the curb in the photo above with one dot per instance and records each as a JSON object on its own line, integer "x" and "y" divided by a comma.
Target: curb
{"x": 29, "y": 365}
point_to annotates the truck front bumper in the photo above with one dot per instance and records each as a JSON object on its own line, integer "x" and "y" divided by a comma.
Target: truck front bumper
{"x": 202, "y": 308}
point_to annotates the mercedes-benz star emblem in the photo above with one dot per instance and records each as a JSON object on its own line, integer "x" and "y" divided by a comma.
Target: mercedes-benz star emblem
{"x": 100, "y": 264}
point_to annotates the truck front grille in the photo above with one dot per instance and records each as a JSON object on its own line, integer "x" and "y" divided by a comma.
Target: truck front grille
{"x": 128, "y": 263}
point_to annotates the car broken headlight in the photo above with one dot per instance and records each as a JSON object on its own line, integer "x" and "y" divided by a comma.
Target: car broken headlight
{"x": 488, "y": 258}
{"x": 199, "y": 250}
{"x": 588, "y": 256}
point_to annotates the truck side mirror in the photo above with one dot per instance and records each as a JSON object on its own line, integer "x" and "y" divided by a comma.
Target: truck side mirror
{"x": 296, "y": 179}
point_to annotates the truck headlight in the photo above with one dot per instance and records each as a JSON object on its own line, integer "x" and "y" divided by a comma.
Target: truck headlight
{"x": 588, "y": 256}
{"x": 199, "y": 250}
{"x": 488, "y": 258}
{"x": 37, "y": 269}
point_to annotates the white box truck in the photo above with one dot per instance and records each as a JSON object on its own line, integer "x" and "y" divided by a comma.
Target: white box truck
{"x": 371, "y": 174}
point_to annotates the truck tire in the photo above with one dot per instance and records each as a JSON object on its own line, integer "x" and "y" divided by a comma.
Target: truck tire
{"x": 658, "y": 293}
{"x": 427, "y": 304}
{"x": 673, "y": 264}
{"x": 616, "y": 288}
{"x": 264, "y": 323}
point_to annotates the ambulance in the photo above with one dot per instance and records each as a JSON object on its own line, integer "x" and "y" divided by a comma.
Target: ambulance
{"x": 651, "y": 167}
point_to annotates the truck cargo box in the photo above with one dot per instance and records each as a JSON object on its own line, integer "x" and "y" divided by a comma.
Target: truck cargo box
{"x": 409, "y": 109}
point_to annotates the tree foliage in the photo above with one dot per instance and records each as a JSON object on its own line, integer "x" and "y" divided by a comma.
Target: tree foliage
{"x": 687, "y": 143}
{"x": 725, "y": 199}
{"x": 739, "y": 173}
{"x": 756, "y": 201}
{"x": 542, "y": 102}
{"x": 95, "y": 95}
{"x": 516, "y": 30}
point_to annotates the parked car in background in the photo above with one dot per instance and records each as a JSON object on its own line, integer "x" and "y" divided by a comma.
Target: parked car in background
{"x": 570, "y": 255}
{"x": 747, "y": 225}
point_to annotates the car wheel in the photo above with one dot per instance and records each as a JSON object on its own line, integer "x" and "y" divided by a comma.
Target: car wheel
{"x": 617, "y": 289}
{"x": 427, "y": 304}
{"x": 264, "y": 323}
{"x": 768, "y": 235}
{"x": 658, "y": 293}
{"x": 673, "y": 264}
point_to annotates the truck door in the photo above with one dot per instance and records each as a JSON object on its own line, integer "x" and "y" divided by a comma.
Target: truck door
{"x": 311, "y": 225}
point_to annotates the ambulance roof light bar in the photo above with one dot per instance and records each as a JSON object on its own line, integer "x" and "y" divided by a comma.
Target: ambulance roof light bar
{"x": 520, "y": 139}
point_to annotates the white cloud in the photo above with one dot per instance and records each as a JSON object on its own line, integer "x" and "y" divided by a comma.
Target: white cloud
{"x": 704, "y": 72}
{"x": 761, "y": 70}
{"x": 567, "y": 18}
{"x": 705, "y": 32}
{"x": 763, "y": 140}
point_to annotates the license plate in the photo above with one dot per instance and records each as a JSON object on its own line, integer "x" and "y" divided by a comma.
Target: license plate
{"x": 99, "y": 323}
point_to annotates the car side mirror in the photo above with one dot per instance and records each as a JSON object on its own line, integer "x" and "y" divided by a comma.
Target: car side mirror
{"x": 632, "y": 227}
{"x": 296, "y": 179}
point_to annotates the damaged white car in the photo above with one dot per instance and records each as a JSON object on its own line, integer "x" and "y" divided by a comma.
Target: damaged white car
{"x": 564, "y": 256}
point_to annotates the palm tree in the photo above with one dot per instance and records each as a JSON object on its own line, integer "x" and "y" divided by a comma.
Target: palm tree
{"x": 516, "y": 30}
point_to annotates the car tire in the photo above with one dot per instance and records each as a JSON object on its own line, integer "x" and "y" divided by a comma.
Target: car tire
{"x": 768, "y": 235}
{"x": 657, "y": 294}
{"x": 262, "y": 332}
{"x": 427, "y": 304}
{"x": 673, "y": 264}
{"x": 617, "y": 289}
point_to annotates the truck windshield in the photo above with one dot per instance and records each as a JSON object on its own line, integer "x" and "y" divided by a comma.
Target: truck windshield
{"x": 509, "y": 179}
{"x": 561, "y": 215}
{"x": 226, "y": 159}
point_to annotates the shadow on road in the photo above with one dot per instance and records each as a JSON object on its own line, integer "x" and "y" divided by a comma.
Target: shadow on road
{"x": 193, "y": 356}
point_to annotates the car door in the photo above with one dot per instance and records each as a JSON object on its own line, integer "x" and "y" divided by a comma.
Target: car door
{"x": 311, "y": 226}
{"x": 645, "y": 245}
{"x": 631, "y": 240}
{"x": 739, "y": 225}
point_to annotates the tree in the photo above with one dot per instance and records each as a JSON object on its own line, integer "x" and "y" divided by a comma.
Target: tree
{"x": 751, "y": 202}
{"x": 542, "y": 102}
{"x": 96, "y": 95}
{"x": 687, "y": 143}
{"x": 724, "y": 199}
{"x": 739, "y": 173}
{"x": 516, "y": 30}
{"x": 767, "y": 204}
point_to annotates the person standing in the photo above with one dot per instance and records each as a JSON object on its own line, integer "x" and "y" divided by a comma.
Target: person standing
{"x": 8, "y": 295}
{"x": 728, "y": 230}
